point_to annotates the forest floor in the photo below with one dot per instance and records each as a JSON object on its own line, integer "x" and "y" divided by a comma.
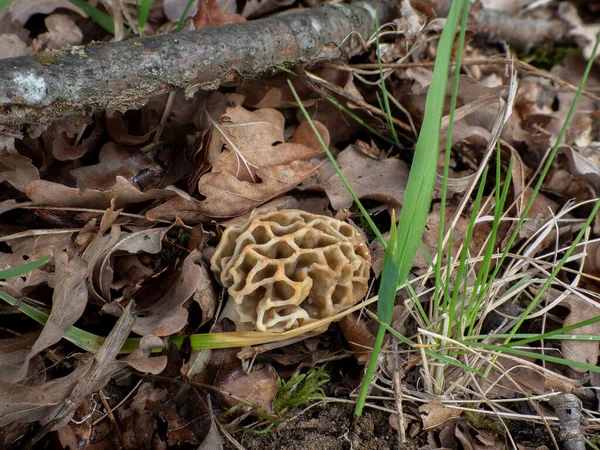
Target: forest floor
{"x": 188, "y": 269}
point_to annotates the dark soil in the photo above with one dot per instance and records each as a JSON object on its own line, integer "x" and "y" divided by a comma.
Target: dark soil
{"x": 332, "y": 427}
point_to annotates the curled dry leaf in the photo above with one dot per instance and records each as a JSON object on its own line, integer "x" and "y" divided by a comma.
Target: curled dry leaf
{"x": 117, "y": 130}
{"x": 581, "y": 351}
{"x": 173, "y": 9}
{"x": 22, "y": 10}
{"x": 435, "y": 413}
{"x": 258, "y": 8}
{"x": 255, "y": 166}
{"x": 141, "y": 358}
{"x": 383, "y": 180}
{"x": 15, "y": 169}
{"x": 257, "y": 388}
{"x": 30, "y": 249}
{"x": 582, "y": 33}
{"x": 11, "y": 45}
{"x": 47, "y": 193}
{"x": 68, "y": 303}
{"x": 24, "y": 403}
{"x": 117, "y": 160}
{"x": 62, "y": 31}
{"x": 161, "y": 306}
{"x": 209, "y": 14}
{"x": 359, "y": 338}
{"x": 146, "y": 241}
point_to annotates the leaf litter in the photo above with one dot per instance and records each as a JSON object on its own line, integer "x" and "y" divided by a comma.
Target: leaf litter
{"x": 130, "y": 205}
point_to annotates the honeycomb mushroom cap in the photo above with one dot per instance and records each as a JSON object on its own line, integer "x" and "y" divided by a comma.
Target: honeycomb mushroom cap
{"x": 283, "y": 269}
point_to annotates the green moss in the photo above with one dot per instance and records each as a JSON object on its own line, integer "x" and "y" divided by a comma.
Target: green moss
{"x": 481, "y": 422}
{"x": 299, "y": 391}
{"x": 546, "y": 58}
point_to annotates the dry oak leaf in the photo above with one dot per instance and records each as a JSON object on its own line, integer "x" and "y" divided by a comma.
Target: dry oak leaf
{"x": 62, "y": 31}
{"x": 383, "y": 180}
{"x": 47, "y": 193}
{"x": 23, "y": 403}
{"x": 162, "y": 310}
{"x": 68, "y": 303}
{"x": 15, "y": 169}
{"x": 11, "y": 45}
{"x": 581, "y": 351}
{"x": 255, "y": 166}
{"x": 22, "y": 10}
{"x": 209, "y": 14}
{"x": 114, "y": 160}
{"x": 435, "y": 413}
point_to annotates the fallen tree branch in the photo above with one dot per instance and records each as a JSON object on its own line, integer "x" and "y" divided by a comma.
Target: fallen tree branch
{"x": 39, "y": 89}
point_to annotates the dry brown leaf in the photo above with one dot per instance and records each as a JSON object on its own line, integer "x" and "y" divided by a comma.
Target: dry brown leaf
{"x": 30, "y": 249}
{"x": 206, "y": 295}
{"x": 62, "y": 31}
{"x": 141, "y": 358}
{"x": 118, "y": 132}
{"x": 258, "y": 8}
{"x": 15, "y": 169}
{"x": 359, "y": 338}
{"x": 137, "y": 420}
{"x": 254, "y": 167}
{"x": 226, "y": 196}
{"x": 23, "y": 403}
{"x": 258, "y": 387}
{"x": 116, "y": 160}
{"x": 434, "y": 413}
{"x": 146, "y": 241}
{"x": 257, "y": 137}
{"x": 22, "y": 10}
{"x": 585, "y": 34}
{"x": 381, "y": 180}
{"x": 11, "y": 45}
{"x": 161, "y": 306}
{"x": 47, "y": 193}
{"x": 274, "y": 92}
{"x": 173, "y": 9}
{"x": 68, "y": 303}
{"x": 581, "y": 351}
{"x": 209, "y": 14}
{"x": 486, "y": 441}
{"x": 430, "y": 235}
{"x": 510, "y": 378}
{"x": 62, "y": 150}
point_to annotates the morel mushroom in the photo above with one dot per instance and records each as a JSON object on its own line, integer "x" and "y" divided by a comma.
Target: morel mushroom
{"x": 284, "y": 269}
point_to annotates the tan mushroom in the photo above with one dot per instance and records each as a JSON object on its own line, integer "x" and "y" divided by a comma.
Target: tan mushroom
{"x": 283, "y": 269}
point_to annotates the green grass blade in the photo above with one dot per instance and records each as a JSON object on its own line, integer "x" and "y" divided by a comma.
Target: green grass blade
{"x": 583, "y": 367}
{"x": 386, "y": 102}
{"x": 24, "y": 268}
{"x": 337, "y": 167}
{"x": 549, "y": 160}
{"x": 360, "y": 121}
{"x": 87, "y": 341}
{"x": 554, "y": 273}
{"x": 4, "y": 4}
{"x": 559, "y": 331}
{"x": 444, "y": 196}
{"x": 183, "y": 15}
{"x": 143, "y": 11}
{"x": 385, "y": 305}
{"x": 421, "y": 180}
{"x": 102, "y": 19}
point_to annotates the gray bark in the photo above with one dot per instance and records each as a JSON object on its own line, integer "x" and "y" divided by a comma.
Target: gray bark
{"x": 39, "y": 89}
